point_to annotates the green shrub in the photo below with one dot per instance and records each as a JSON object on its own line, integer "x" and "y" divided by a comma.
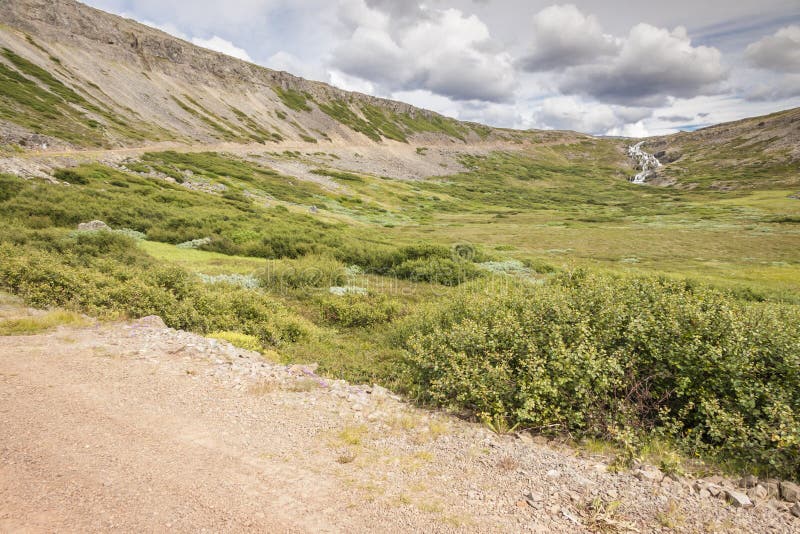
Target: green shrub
{"x": 600, "y": 356}
{"x": 352, "y": 310}
{"x": 445, "y": 271}
{"x": 69, "y": 176}
{"x": 312, "y": 271}
{"x": 105, "y": 275}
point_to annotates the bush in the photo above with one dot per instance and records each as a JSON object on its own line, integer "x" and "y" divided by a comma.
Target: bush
{"x": 359, "y": 310}
{"x": 311, "y": 271}
{"x": 437, "y": 270}
{"x": 104, "y": 274}
{"x": 598, "y": 356}
{"x": 72, "y": 177}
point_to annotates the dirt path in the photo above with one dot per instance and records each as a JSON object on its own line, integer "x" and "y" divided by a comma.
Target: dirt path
{"x": 138, "y": 428}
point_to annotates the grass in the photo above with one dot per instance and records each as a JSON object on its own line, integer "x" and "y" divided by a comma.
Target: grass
{"x": 238, "y": 339}
{"x": 292, "y": 99}
{"x": 36, "y": 324}
{"x": 201, "y": 261}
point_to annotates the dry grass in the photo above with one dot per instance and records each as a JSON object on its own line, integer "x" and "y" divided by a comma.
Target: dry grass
{"x": 35, "y": 324}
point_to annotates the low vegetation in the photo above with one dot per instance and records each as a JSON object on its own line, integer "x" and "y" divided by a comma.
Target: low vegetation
{"x": 534, "y": 289}
{"x": 618, "y": 358}
{"x": 34, "y": 324}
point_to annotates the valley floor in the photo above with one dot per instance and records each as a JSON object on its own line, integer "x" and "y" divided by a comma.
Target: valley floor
{"x": 135, "y": 427}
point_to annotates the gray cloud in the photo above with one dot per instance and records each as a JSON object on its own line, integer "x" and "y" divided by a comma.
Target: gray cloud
{"x": 779, "y": 52}
{"x": 652, "y": 65}
{"x": 563, "y": 37}
{"x": 675, "y": 118}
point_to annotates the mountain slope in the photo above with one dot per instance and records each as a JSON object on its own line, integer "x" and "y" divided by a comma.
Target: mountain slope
{"x": 76, "y": 75}
{"x": 753, "y": 153}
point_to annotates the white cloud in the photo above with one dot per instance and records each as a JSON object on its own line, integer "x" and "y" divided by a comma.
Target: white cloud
{"x": 218, "y": 44}
{"x": 563, "y": 36}
{"x": 443, "y": 51}
{"x": 574, "y": 113}
{"x": 779, "y": 52}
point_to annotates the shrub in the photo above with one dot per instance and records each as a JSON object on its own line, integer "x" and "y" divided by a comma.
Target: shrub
{"x": 352, "y": 310}
{"x": 72, "y": 177}
{"x": 436, "y": 270}
{"x": 599, "y": 356}
{"x": 311, "y": 271}
{"x": 105, "y": 275}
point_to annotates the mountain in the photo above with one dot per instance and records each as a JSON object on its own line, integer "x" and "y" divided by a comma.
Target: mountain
{"x": 756, "y": 152}
{"x": 76, "y": 76}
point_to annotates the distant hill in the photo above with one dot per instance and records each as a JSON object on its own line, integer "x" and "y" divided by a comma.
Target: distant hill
{"x": 758, "y": 152}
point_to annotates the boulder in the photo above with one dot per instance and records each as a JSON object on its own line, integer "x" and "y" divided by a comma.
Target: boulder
{"x": 758, "y": 493}
{"x": 790, "y": 491}
{"x": 738, "y": 499}
{"x": 93, "y": 226}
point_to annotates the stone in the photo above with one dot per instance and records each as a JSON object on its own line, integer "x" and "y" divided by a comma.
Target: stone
{"x": 93, "y": 226}
{"x": 795, "y": 509}
{"x": 652, "y": 474}
{"x": 704, "y": 493}
{"x": 773, "y": 489}
{"x": 714, "y": 490}
{"x": 151, "y": 321}
{"x": 790, "y": 491}
{"x": 748, "y": 481}
{"x": 738, "y": 499}
{"x": 553, "y": 473}
{"x": 758, "y": 493}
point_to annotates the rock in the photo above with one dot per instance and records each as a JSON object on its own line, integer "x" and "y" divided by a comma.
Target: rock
{"x": 651, "y": 474}
{"x": 151, "y": 321}
{"x": 795, "y": 509}
{"x": 93, "y": 226}
{"x": 704, "y": 493}
{"x": 773, "y": 489}
{"x": 553, "y": 473}
{"x": 532, "y": 498}
{"x": 790, "y": 491}
{"x": 758, "y": 493}
{"x": 738, "y": 499}
{"x": 749, "y": 481}
{"x": 714, "y": 490}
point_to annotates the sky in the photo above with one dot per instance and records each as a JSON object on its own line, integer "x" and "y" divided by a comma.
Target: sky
{"x": 613, "y": 67}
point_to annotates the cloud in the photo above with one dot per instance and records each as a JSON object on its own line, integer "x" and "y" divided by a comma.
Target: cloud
{"x": 563, "y": 37}
{"x": 573, "y": 113}
{"x": 405, "y": 49}
{"x": 779, "y": 52}
{"x": 223, "y": 46}
{"x": 780, "y": 88}
{"x": 653, "y": 64}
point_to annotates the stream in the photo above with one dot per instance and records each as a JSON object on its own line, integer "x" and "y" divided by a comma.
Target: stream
{"x": 647, "y": 162}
